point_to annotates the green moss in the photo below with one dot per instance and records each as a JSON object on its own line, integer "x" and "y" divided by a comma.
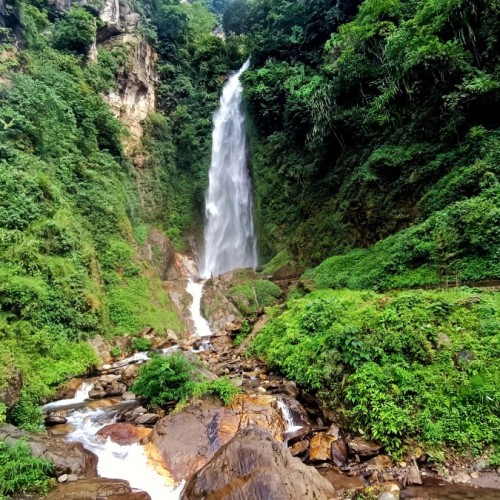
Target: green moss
{"x": 252, "y": 295}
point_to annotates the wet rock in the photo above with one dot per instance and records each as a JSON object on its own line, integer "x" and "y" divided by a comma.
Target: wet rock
{"x": 460, "y": 478}
{"x": 321, "y": 445}
{"x": 129, "y": 374}
{"x": 253, "y": 465}
{"x": 97, "y": 393}
{"x": 414, "y": 476}
{"x": 182, "y": 457}
{"x": 68, "y": 458}
{"x": 297, "y": 435}
{"x": 52, "y": 419}
{"x": 299, "y": 448}
{"x": 147, "y": 419}
{"x": 364, "y": 448}
{"x": 247, "y": 410}
{"x": 68, "y": 390}
{"x": 124, "y": 433}
{"x": 61, "y": 430}
{"x": 339, "y": 452}
{"x": 343, "y": 484}
{"x": 96, "y": 488}
{"x": 378, "y": 463}
{"x": 128, "y": 396}
{"x": 140, "y": 410}
{"x": 334, "y": 431}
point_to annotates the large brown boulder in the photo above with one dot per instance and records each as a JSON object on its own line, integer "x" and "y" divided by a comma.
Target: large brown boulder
{"x": 253, "y": 465}
{"x": 250, "y": 409}
{"x": 188, "y": 439}
{"x": 68, "y": 458}
{"x": 96, "y": 488}
{"x": 124, "y": 433}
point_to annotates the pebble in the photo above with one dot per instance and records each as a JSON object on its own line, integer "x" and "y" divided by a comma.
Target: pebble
{"x": 63, "y": 478}
{"x": 261, "y": 390}
{"x": 72, "y": 478}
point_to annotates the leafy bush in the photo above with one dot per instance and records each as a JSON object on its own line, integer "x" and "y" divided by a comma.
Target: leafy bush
{"x": 422, "y": 364}
{"x": 140, "y": 344}
{"x": 75, "y": 32}
{"x": 26, "y": 413}
{"x": 21, "y": 472}
{"x": 174, "y": 379}
{"x": 115, "y": 351}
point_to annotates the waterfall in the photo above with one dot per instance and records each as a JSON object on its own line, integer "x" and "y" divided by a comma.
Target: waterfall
{"x": 230, "y": 240}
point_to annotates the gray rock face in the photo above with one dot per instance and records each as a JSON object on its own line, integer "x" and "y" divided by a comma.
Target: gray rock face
{"x": 253, "y": 465}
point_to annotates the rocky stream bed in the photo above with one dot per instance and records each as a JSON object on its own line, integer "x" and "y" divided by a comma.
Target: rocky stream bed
{"x": 273, "y": 442}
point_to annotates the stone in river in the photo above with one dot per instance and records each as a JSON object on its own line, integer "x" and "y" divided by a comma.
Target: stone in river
{"x": 321, "y": 447}
{"x": 254, "y": 466}
{"x": 96, "y": 488}
{"x": 124, "y": 433}
{"x": 364, "y": 448}
{"x": 147, "y": 419}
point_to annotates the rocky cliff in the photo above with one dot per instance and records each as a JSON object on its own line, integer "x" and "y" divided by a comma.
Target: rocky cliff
{"x": 133, "y": 98}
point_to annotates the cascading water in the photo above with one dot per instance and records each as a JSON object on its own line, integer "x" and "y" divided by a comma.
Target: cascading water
{"x": 230, "y": 240}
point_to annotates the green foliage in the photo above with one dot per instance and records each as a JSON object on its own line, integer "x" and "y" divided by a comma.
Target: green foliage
{"x": 246, "y": 328}
{"x": 362, "y": 124}
{"x": 165, "y": 379}
{"x": 223, "y": 388}
{"x": 27, "y": 414}
{"x": 75, "y": 32}
{"x": 419, "y": 365}
{"x": 458, "y": 243}
{"x": 21, "y": 472}
{"x": 69, "y": 212}
{"x": 174, "y": 379}
{"x": 115, "y": 351}
{"x": 140, "y": 344}
{"x": 252, "y": 295}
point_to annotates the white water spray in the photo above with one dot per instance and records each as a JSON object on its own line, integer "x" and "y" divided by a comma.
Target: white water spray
{"x": 230, "y": 241}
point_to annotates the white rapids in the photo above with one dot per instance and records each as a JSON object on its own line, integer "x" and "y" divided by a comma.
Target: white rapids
{"x": 230, "y": 240}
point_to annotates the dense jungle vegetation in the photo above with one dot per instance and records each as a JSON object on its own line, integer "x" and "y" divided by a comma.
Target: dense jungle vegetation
{"x": 71, "y": 225}
{"x": 375, "y": 152}
{"x": 375, "y": 149}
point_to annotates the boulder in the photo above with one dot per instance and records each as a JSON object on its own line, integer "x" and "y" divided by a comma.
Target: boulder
{"x": 250, "y": 409}
{"x": 68, "y": 458}
{"x": 124, "y": 433}
{"x": 96, "y": 488}
{"x": 414, "y": 476}
{"x": 339, "y": 452}
{"x": 147, "y": 419}
{"x": 254, "y": 465}
{"x": 321, "y": 447}
{"x": 188, "y": 439}
{"x": 52, "y": 419}
{"x": 342, "y": 483}
{"x": 68, "y": 389}
{"x": 364, "y": 448}
{"x": 299, "y": 448}
{"x": 129, "y": 374}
